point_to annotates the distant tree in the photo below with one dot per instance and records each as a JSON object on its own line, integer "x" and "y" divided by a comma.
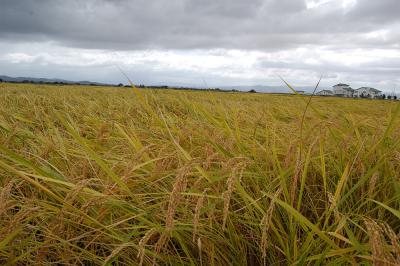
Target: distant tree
{"x": 395, "y": 97}
{"x": 252, "y": 91}
{"x": 1, "y": 80}
{"x": 389, "y": 97}
{"x": 120, "y": 85}
{"x": 383, "y": 96}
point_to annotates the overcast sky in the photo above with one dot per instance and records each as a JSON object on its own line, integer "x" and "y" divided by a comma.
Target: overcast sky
{"x": 224, "y": 42}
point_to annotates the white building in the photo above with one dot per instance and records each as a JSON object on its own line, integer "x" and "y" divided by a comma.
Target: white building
{"x": 343, "y": 90}
{"x": 325, "y": 93}
{"x": 367, "y": 92}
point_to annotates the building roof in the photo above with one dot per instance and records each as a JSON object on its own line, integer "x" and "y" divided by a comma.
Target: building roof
{"x": 344, "y": 87}
{"x": 369, "y": 88}
{"x": 328, "y": 91}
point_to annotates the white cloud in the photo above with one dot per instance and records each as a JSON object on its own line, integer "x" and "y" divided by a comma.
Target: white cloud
{"x": 217, "y": 66}
{"x": 345, "y": 4}
{"x": 17, "y": 58}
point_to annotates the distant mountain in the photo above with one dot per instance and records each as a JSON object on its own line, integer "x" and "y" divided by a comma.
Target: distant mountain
{"x": 257, "y": 88}
{"x": 46, "y": 80}
{"x": 271, "y": 89}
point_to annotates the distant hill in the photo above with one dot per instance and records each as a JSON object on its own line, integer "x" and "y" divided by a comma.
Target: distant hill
{"x": 271, "y": 89}
{"x": 257, "y": 88}
{"x": 46, "y": 80}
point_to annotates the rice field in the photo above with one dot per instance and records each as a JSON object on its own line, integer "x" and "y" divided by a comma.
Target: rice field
{"x": 122, "y": 176}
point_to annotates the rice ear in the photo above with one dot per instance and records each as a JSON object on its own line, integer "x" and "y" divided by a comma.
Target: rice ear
{"x": 196, "y": 219}
{"x": 265, "y": 224}
{"x": 231, "y": 182}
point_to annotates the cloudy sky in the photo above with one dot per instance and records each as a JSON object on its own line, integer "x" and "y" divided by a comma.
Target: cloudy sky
{"x": 218, "y": 42}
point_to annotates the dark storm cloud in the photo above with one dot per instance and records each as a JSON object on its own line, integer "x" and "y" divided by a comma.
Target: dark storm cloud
{"x": 388, "y": 69}
{"x": 188, "y": 24}
{"x": 382, "y": 11}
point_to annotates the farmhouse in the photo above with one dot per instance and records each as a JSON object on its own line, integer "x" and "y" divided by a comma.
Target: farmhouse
{"x": 343, "y": 90}
{"x": 325, "y": 93}
{"x": 367, "y": 92}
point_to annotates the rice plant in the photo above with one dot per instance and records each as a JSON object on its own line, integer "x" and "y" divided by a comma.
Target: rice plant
{"x": 115, "y": 176}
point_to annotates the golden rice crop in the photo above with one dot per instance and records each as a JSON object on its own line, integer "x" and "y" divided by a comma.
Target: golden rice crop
{"x": 111, "y": 176}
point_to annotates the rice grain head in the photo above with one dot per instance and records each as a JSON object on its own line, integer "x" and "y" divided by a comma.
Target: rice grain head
{"x": 115, "y": 252}
{"x": 142, "y": 244}
{"x": 265, "y": 224}
{"x": 376, "y": 242}
{"x": 372, "y": 184}
{"x": 197, "y": 211}
{"x": 333, "y": 206}
{"x": 5, "y": 193}
{"x": 179, "y": 186}
{"x": 395, "y": 241}
{"x": 200, "y": 250}
{"x": 295, "y": 179}
{"x": 235, "y": 177}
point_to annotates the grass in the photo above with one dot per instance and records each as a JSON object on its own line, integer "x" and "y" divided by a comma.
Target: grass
{"x": 111, "y": 176}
